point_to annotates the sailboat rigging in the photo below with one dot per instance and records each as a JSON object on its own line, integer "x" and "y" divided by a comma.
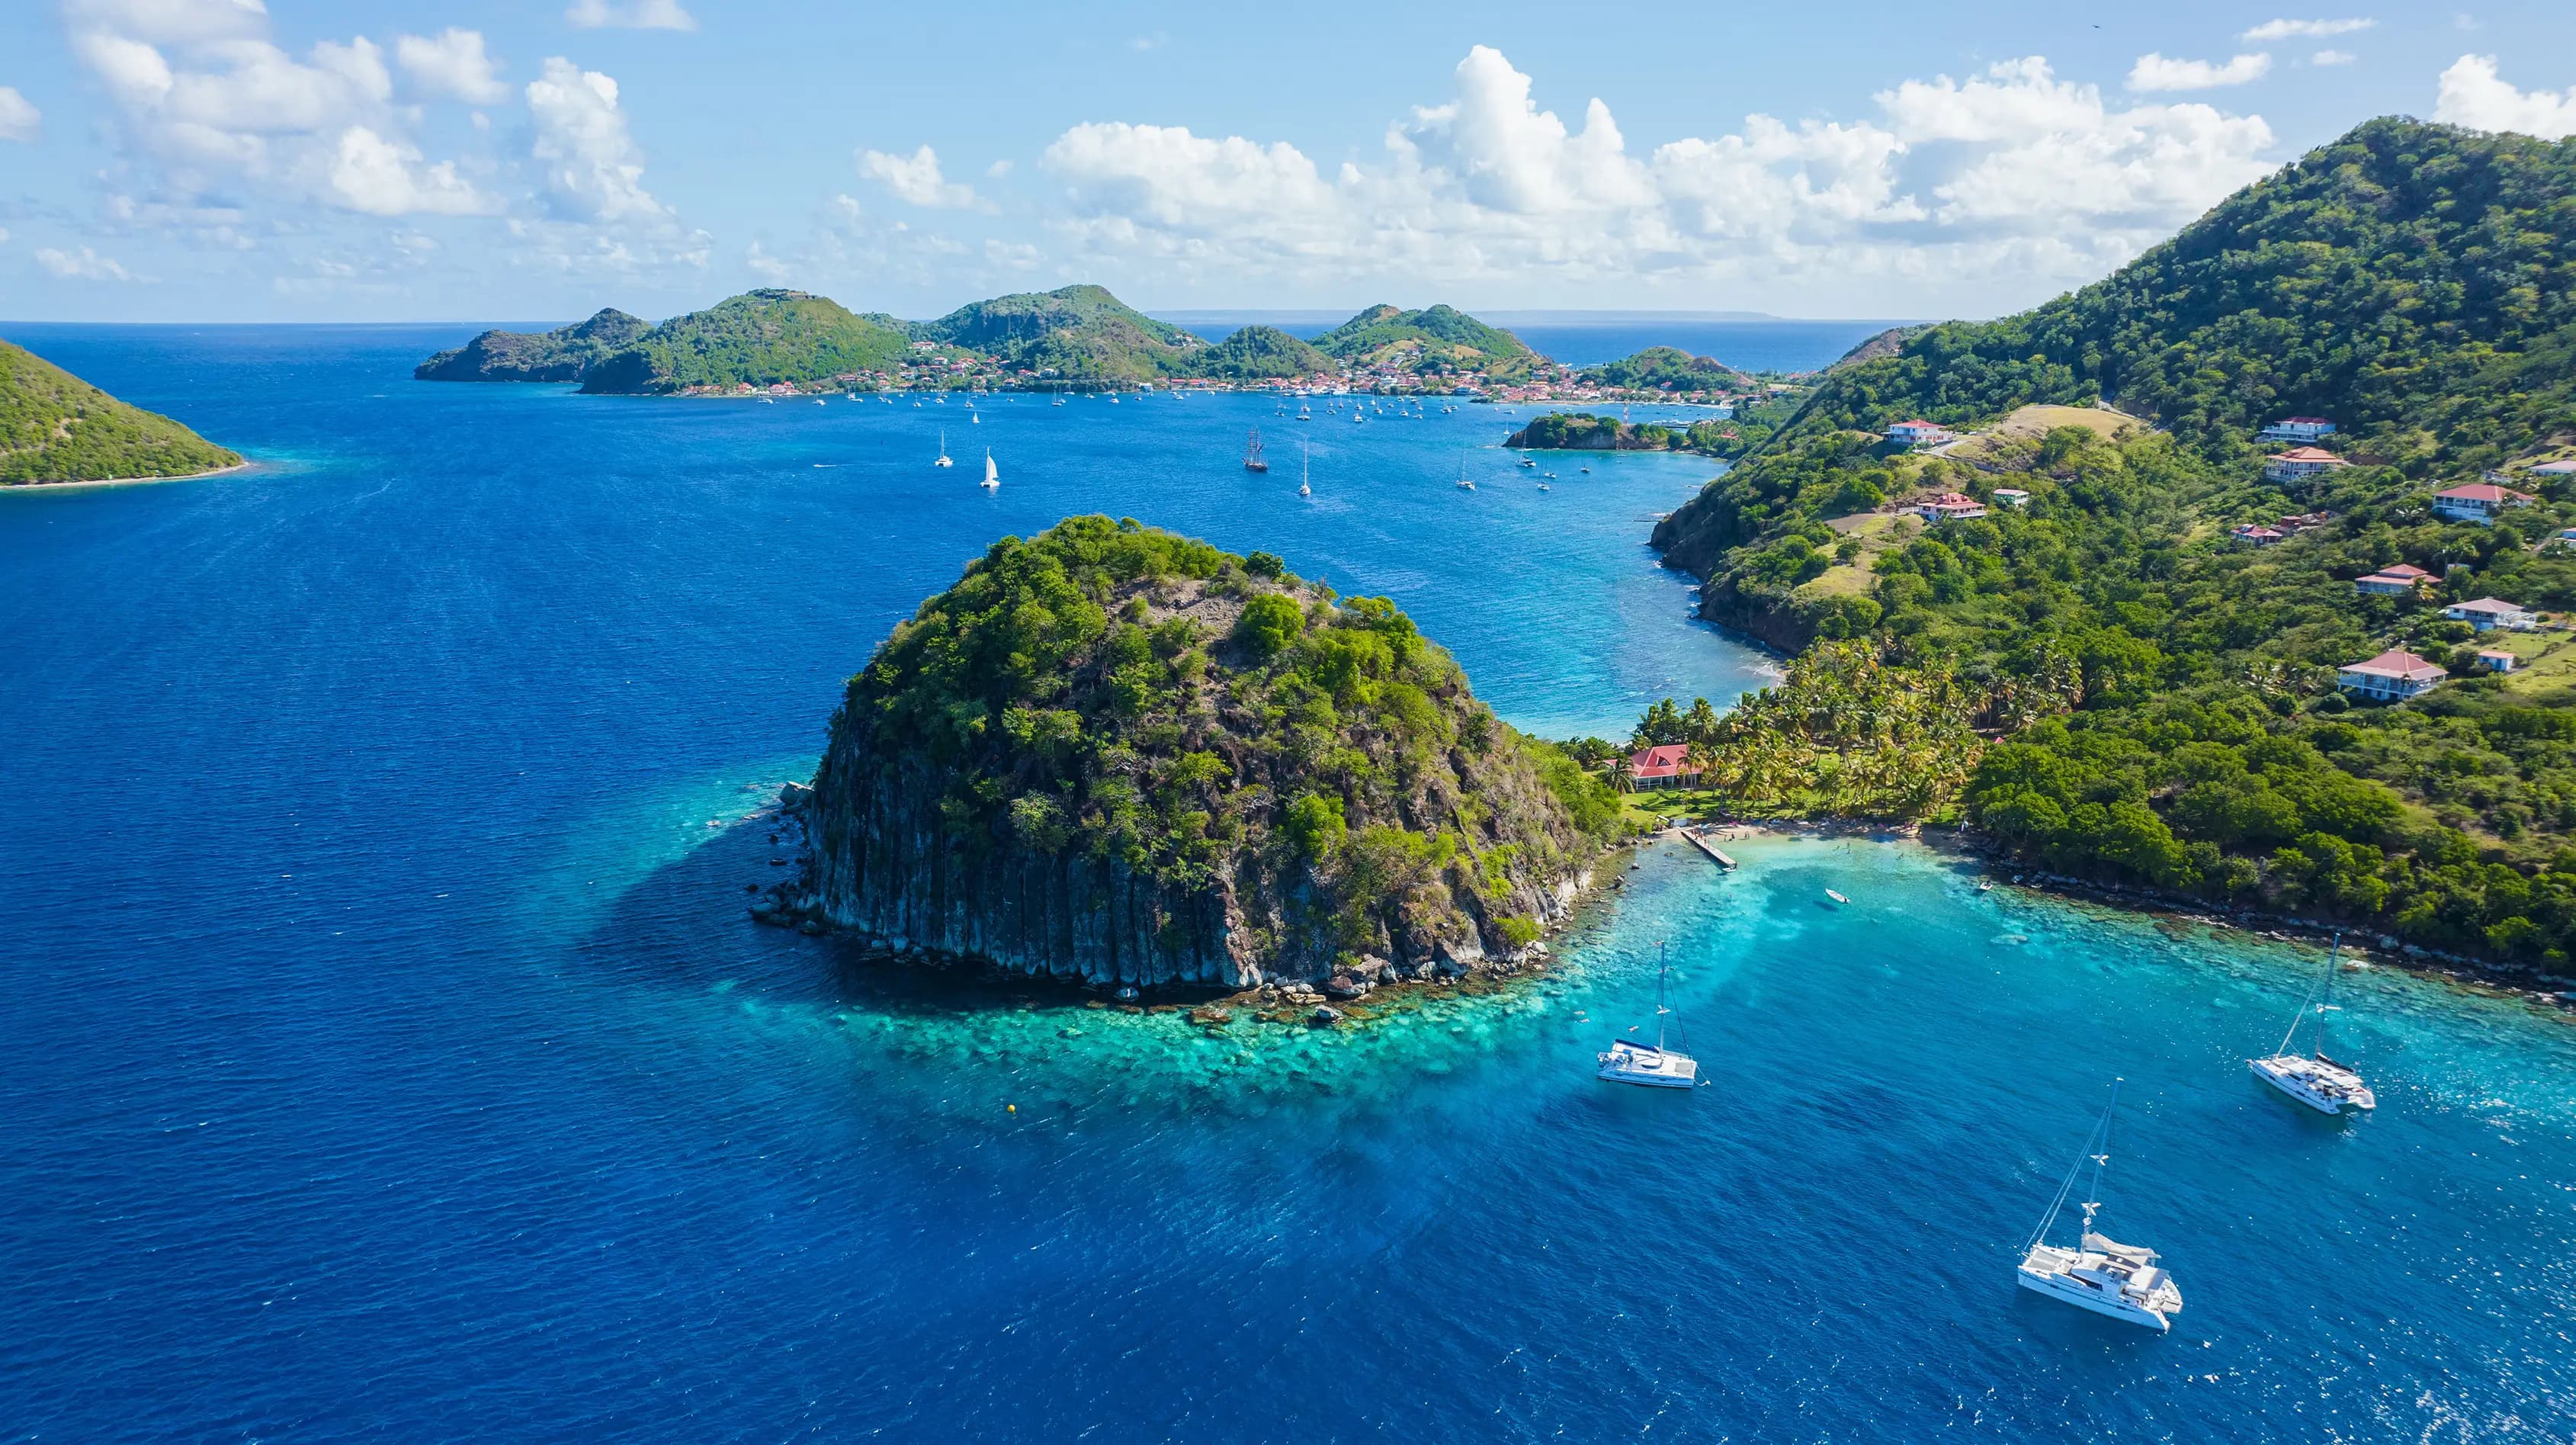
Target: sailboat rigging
{"x": 2100, "y": 1274}
{"x": 2313, "y": 1079}
{"x": 992, "y": 474}
{"x": 1305, "y": 467}
{"x": 943, "y": 448}
{"x": 1657, "y": 1067}
{"x": 1252, "y": 458}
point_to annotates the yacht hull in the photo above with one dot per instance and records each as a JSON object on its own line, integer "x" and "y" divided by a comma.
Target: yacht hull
{"x": 2296, "y": 1085}
{"x": 2109, "y": 1306}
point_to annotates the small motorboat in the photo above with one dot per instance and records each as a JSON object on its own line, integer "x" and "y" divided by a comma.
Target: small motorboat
{"x": 1838, "y": 898}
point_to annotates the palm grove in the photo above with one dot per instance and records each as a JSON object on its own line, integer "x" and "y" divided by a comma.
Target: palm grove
{"x": 2105, "y": 679}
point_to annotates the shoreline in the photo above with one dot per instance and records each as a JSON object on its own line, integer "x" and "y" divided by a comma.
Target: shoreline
{"x": 14, "y": 487}
{"x": 2368, "y": 946}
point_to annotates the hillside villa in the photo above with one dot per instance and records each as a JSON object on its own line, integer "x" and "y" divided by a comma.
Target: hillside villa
{"x": 2297, "y": 429}
{"x": 1949, "y": 507}
{"x": 2555, "y": 469}
{"x": 2397, "y": 581}
{"x": 2489, "y": 612}
{"x": 1917, "y": 433}
{"x": 2010, "y": 497}
{"x": 2299, "y": 462}
{"x": 2392, "y": 676}
{"x": 1666, "y": 765}
{"x": 2478, "y": 502}
{"x": 2258, "y": 536}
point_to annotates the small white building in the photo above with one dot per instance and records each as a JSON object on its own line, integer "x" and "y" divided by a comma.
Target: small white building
{"x": 2011, "y": 497}
{"x": 2299, "y": 462}
{"x": 2555, "y": 469}
{"x": 2398, "y": 581}
{"x": 2297, "y": 429}
{"x": 2497, "y": 660}
{"x": 1918, "y": 433}
{"x": 2392, "y": 676}
{"x": 2478, "y": 502}
{"x": 2489, "y": 612}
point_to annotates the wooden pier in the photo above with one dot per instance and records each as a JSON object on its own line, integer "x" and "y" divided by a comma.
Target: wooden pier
{"x": 1711, "y": 849}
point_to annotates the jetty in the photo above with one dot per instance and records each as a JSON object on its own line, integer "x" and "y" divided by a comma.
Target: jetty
{"x": 1711, "y": 849}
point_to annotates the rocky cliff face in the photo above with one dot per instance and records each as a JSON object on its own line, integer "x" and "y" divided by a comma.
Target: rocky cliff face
{"x": 1238, "y": 782}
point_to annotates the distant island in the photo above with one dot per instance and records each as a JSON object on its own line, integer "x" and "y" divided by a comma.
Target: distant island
{"x": 1115, "y": 754}
{"x": 2240, "y": 577}
{"x": 1077, "y": 338}
{"x": 56, "y": 428}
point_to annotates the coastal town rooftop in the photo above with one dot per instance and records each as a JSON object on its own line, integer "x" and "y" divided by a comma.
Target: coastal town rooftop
{"x": 1661, "y": 765}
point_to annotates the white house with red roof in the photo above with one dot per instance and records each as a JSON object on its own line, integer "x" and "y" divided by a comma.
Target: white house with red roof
{"x": 2478, "y": 502}
{"x": 2299, "y": 462}
{"x": 1666, "y": 765}
{"x": 2497, "y": 660}
{"x": 1917, "y": 433}
{"x": 2398, "y": 581}
{"x": 2297, "y": 429}
{"x": 2392, "y": 676}
{"x": 1949, "y": 507}
{"x": 2257, "y": 536}
{"x": 2489, "y": 612}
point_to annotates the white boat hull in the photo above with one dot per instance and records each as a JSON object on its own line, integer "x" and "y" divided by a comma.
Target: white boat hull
{"x": 2328, "y": 1090}
{"x": 2109, "y": 1304}
{"x": 1650, "y": 1067}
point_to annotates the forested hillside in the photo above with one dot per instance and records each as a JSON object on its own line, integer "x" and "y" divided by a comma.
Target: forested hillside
{"x": 55, "y": 427}
{"x": 2164, "y": 688}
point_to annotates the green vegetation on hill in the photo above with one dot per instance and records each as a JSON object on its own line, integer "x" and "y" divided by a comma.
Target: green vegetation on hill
{"x": 1078, "y": 333}
{"x": 55, "y": 427}
{"x": 564, "y": 354}
{"x": 1665, "y": 368}
{"x": 1115, "y": 693}
{"x": 1574, "y": 431}
{"x": 1439, "y": 340}
{"x": 1259, "y": 353}
{"x": 758, "y": 338}
{"x": 2164, "y": 695}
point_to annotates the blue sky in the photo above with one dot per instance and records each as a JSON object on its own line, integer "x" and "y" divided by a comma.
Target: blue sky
{"x": 222, "y": 160}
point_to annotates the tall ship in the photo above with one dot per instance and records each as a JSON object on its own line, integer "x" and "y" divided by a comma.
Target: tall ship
{"x": 1252, "y": 459}
{"x": 2123, "y": 1281}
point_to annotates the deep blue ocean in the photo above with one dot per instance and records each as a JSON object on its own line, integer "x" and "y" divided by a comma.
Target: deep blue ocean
{"x": 388, "y": 1053}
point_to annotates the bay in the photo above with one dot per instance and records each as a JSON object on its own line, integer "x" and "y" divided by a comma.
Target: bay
{"x": 388, "y": 1052}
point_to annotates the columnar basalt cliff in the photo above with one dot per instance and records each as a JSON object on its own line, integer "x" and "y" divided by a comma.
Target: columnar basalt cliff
{"x": 1113, "y": 754}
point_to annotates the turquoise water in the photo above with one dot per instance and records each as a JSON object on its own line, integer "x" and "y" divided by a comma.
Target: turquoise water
{"x": 389, "y": 1053}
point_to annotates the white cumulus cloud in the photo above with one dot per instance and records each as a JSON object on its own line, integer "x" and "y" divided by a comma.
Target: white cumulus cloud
{"x": 451, "y": 63}
{"x": 19, "y": 117}
{"x": 386, "y": 178}
{"x": 593, "y": 168}
{"x": 2473, "y": 93}
{"x": 2271, "y": 30}
{"x": 2156, "y": 72}
{"x": 915, "y": 178}
{"x": 2008, "y": 177}
{"x": 82, "y": 265}
{"x": 629, "y": 15}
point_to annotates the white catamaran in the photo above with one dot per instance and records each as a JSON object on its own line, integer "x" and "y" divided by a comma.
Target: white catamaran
{"x": 1655, "y": 1066}
{"x": 2100, "y": 1274}
{"x": 943, "y": 449}
{"x": 2313, "y": 1079}
{"x": 992, "y": 474}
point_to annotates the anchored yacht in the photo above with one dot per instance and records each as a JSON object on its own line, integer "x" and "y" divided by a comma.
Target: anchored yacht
{"x": 943, "y": 448}
{"x": 1652, "y": 1065}
{"x": 2313, "y": 1079}
{"x": 2100, "y": 1274}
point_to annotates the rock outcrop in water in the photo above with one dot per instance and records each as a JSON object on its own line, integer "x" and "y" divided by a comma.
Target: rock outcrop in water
{"x": 1114, "y": 754}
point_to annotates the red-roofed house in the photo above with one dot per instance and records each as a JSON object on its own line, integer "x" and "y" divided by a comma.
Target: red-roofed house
{"x": 1917, "y": 433}
{"x": 2299, "y": 462}
{"x": 1949, "y": 507}
{"x": 2297, "y": 429}
{"x": 2391, "y": 676}
{"x": 1665, "y": 765}
{"x": 2397, "y": 581}
{"x": 2496, "y": 660}
{"x": 2478, "y": 502}
{"x": 2259, "y": 536}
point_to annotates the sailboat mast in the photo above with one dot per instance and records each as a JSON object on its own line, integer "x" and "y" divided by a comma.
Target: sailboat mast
{"x": 2315, "y": 991}
{"x": 1660, "y": 1010}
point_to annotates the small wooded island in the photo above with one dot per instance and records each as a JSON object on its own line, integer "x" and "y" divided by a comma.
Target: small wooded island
{"x": 56, "y": 428}
{"x": 1114, "y": 754}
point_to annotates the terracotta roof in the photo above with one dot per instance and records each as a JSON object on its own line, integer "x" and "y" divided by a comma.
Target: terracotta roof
{"x": 2494, "y": 652}
{"x": 2397, "y": 662}
{"x": 2485, "y": 492}
{"x": 2308, "y": 454}
{"x": 2403, "y": 569}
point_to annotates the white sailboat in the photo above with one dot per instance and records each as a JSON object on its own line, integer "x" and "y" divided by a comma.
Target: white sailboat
{"x": 1656, "y": 1067}
{"x": 975, "y": 418}
{"x": 992, "y": 474}
{"x": 2100, "y": 1274}
{"x": 1305, "y": 467}
{"x": 2313, "y": 1079}
{"x": 1463, "y": 484}
{"x": 943, "y": 450}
